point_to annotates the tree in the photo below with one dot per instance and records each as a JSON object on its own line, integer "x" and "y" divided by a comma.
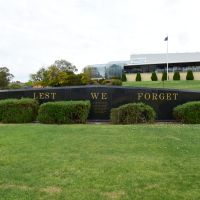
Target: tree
{"x": 189, "y": 75}
{"x": 16, "y": 85}
{"x": 154, "y": 76}
{"x": 164, "y": 76}
{"x": 138, "y": 77}
{"x": 65, "y": 66}
{"x": 5, "y": 77}
{"x": 55, "y": 75}
{"x": 124, "y": 79}
{"x": 40, "y": 78}
{"x": 176, "y": 76}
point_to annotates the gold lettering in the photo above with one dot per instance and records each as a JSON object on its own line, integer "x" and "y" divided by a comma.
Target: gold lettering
{"x": 104, "y": 96}
{"x": 46, "y": 95}
{"x": 140, "y": 95}
{"x": 35, "y": 96}
{"x": 155, "y": 96}
{"x": 162, "y": 96}
{"x": 147, "y": 96}
{"x": 53, "y": 95}
{"x": 41, "y": 95}
{"x": 169, "y": 97}
{"x": 94, "y": 95}
{"x": 175, "y": 96}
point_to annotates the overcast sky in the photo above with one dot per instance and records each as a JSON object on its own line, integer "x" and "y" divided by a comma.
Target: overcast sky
{"x": 35, "y": 33}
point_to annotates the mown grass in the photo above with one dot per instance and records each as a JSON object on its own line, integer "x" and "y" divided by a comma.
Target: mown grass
{"x": 91, "y": 162}
{"x": 188, "y": 85}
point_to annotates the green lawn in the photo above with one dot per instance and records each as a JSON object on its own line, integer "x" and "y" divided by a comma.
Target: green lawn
{"x": 191, "y": 85}
{"x": 92, "y": 162}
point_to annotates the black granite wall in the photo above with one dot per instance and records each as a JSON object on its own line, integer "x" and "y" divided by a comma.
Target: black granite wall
{"x": 103, "y": 98}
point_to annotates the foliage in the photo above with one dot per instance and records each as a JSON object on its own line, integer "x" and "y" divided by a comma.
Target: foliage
{"x": 154, "y": 76}
{"x": 16, "y": 85}
{"x": 61, "y": 73}
{"x": 64, "y": 112}
{"x": 164, "y": 76}
{"x": 18, "y": 110}
{"x": 138, "y": 77}
{"x": 65, "y": 66}
{"x": 176, "y": 76}
{"x": 188, "y": 113}
{"x": 5, "y": 77}
{"x": 124, "y": 79}
{"x": 112, "y": 82}
{"x": 133, "y": 113}
{"x": 189, "y": 75}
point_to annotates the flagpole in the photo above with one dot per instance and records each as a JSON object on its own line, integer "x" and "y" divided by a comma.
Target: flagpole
{"x": 167, "y": 60}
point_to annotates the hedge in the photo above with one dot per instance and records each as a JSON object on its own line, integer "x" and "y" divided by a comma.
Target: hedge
{"x": 188, "y": 113}
{"x": 64, "y": 112}
{"x": 112, "y": 82}
{"x": 18, "y": 110}
{"x": 133, "y": 113}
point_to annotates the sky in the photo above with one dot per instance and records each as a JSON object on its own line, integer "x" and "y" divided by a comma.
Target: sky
{"x": 35, "y": 33}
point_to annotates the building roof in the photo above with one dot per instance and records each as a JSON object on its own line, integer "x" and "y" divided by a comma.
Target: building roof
{"x": 148, "y": 59}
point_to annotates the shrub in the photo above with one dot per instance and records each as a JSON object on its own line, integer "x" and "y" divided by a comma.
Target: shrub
{"x": 164, "y": 76}
{"x": 18, "y": 110}
{"x": 176, "y": 76}
{"x": 154, "y": 76}
{"x": 124, "y": 79}
{"x": 132, "y": 113}
{"x": 138, "y": 77}
{"x": 112, "y": 82}
{"x": 64, "y": 112}
{"x": 189, "y": 75}
{"x": 188, "y": 113}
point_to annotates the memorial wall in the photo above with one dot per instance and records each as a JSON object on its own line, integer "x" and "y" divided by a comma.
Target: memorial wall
{"x": 104, "y": 98}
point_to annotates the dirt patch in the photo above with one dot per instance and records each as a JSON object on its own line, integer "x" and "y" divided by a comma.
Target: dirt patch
{"x": 114, "y": 195}
{"x": 51, "y": 190}
{"x": 18, "y": 187}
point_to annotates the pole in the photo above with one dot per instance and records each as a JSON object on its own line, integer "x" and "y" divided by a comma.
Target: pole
{"x": 167, "y": 61}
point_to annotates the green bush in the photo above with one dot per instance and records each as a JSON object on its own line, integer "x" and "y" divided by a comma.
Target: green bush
{"x": 189, "y": 75}
{"x": 138, "y": 77}
{"x": 133, "y": 113}
{"x": 176, "y": 76}
{"x": 154, "y": 76}
{"x": 18, "y": 110}
{"x": 64, "y": 112}
{"x": 124, "y": 79}
{"x": 188, "y": 113}
{"x": 164, "y": 76}
{"x": 112, "y": 82}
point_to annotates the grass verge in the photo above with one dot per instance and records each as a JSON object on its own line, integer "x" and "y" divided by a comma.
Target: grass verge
{"x": 86, "y": 162}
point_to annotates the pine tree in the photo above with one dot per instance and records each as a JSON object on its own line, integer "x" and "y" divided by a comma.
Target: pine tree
{"x": 176, "y": 76}
{"x": 164, "y": 76}
{"x": 154, "y": 76}
{"x": 189, "y": 75}
{"x": 138, "y": 77}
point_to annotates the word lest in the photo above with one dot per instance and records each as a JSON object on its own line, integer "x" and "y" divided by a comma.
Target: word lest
{"x": 158, "y": 96}
{"x": 102, "y": 95}
{"x": 44, "y": 95}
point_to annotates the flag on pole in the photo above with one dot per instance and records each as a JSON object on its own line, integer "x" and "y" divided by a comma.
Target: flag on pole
{"x": 166, "y": 39}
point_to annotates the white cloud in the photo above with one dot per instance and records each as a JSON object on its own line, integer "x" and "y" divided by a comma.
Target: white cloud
{"x": 34, "y": 33}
